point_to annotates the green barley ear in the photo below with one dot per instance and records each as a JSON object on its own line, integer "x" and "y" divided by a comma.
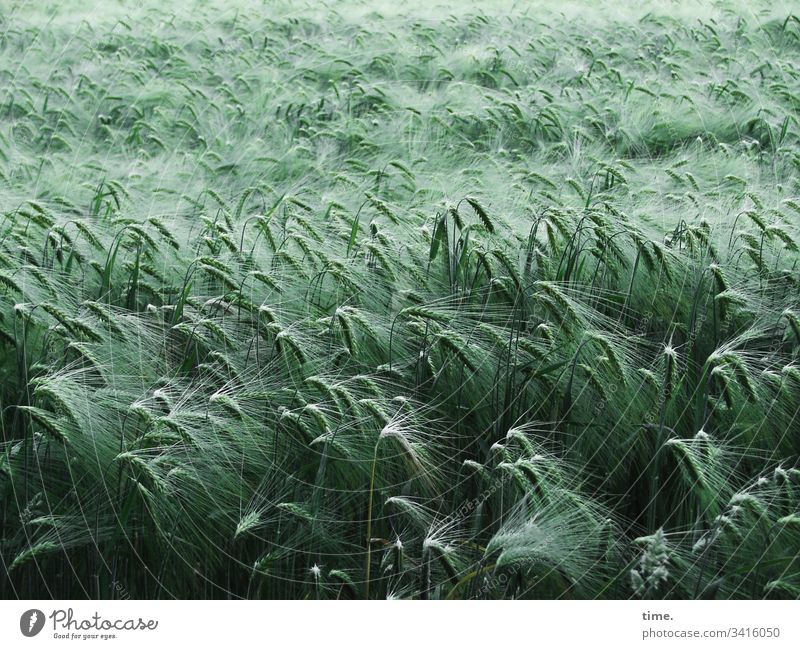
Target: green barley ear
{"x": 382, "y": 207}
{"x": 426, "y": 313}
{"x": 345, "y": 582}
{"x": 794, "y": 322}
{"x": 9, "y": 283}
{"x": 452, "y": 342}
{"x": 741, "y": 373}
{"x": 46, "y": 422}
{"x": 484, "y": 217}
{"x": 444, "y": 555}
{"x": 691, "y": 467}
{"x": 296, "y": 510}
{"x": 791, "y": 520}
{"x": 228, "y": 404}
{"x": 652, "y": 571}
{"x": 614, "y": 358}
{"x": 719, "y": 278}
{"x": 247, "y": 523}
{"x": 780, "y": 233}
{"x": 34, "y": 553}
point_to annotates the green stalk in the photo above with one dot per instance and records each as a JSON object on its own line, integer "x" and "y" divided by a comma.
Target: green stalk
{"x": 369, "y": 521}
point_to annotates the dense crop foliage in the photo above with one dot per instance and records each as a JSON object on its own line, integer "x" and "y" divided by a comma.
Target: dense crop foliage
{"x": 399, "y": 302}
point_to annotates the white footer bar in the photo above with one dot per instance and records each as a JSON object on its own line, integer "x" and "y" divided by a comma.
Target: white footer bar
{"x": 386, "y": 625}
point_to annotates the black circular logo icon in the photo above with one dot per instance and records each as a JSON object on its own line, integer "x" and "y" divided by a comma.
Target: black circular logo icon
{"x": 31, "y": 622}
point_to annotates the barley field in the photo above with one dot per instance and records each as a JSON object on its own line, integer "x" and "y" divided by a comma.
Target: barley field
{"x": 399, "y": 300}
